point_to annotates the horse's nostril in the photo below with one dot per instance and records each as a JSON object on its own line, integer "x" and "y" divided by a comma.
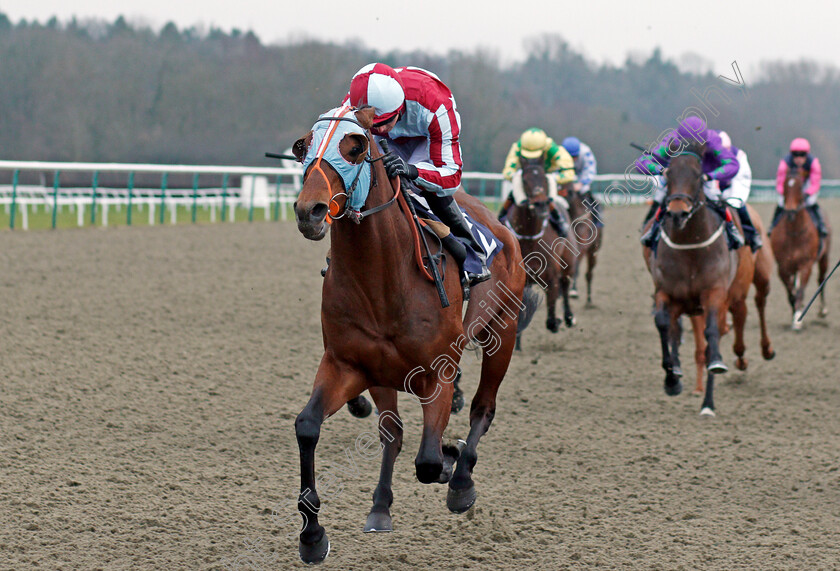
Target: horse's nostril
{"x": 318, "y": 212}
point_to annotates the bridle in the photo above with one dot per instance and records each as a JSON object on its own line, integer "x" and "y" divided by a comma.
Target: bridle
{"x": 531, "y": 206}
{"x": 337, "y": 212}
{"x": 693, "y": 200}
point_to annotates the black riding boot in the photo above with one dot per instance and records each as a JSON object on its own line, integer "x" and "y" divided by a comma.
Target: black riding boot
{"x": 557, "y": 222}
{"x": 596, "y": 208}
{"x": 447, "y": 209}
{"x": 816, "y": 216}
{"x": 734, "y": 239}
{"x": 651, "y": 237}
{"x": 777, "y": 215}
{"x": 750, "y": 233}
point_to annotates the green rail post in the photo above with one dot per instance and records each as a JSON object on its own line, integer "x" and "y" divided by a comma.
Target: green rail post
{"x": 251, "y": 206}
{"x": 481, "y": 187}
{"x": 14, "y": 200}
{"x": 130, "y": 197}
{"x": 55, "y": 197}
{"x": 277, "y": 199}
{"x": 224, "y": 195}
{"x": 93, "y": 198}
{"x": 163, "y": 180}
{"x": 195, "y": 196}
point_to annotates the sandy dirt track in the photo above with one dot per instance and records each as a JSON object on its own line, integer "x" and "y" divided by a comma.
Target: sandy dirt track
{"x": 151, "y": 377}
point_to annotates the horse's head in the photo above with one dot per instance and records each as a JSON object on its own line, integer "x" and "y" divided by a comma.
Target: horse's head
{"x": 793, "y": 193}
{"x": 684, "y": 179}
{"x": 337, "y": 172}
{"x": 535, "y": 185}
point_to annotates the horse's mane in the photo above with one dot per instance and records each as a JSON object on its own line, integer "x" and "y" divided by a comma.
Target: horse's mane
{"x": 696, "y": 147}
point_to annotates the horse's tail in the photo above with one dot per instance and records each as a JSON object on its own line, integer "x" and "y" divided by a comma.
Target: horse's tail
{"x": 531, "y": 300}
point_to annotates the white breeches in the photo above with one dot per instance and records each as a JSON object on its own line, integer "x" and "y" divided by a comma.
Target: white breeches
{"x": 518, "y": 190}
{"x": 710, "y": 188}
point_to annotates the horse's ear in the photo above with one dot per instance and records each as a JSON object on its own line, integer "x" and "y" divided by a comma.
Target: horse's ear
{"x": 301, "y": 146}
{"x": 365, "y": 116}
{"x": 665, "y": 172}
{"x": 353, "y": 147}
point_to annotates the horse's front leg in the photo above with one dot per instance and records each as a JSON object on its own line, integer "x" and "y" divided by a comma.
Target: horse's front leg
{"x": 662, "y": 318}
{"x": 591, "y": 260}
{"x": 565, "y": 285}
{"x": 675, "y": 333}
{"x": 390, "y": 437}
{"x": 714, "y": 306}
{"x": 552, "y": 292}
{"x": 334, "y": 385}
{"x": 822, "y": 270}
{"x": 799, "y": 296}
{"x": 436, "y": 399}
{"x": 739, "y": 319}
{"x": 697, "y": 326}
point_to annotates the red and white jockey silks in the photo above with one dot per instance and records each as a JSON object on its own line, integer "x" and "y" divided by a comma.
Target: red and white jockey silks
{"x": 428, "y": 130}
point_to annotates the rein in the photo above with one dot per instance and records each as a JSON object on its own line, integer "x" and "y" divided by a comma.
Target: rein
{"x": 527, "y": 237}
{"x": 695, "y": 204}
{"x": 703, "y": 244}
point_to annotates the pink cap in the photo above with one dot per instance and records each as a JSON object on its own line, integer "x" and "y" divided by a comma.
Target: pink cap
{"x": 800, "y": 145}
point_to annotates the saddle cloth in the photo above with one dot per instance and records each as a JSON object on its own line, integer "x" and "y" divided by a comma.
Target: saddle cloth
{"x": 489, "y": 243}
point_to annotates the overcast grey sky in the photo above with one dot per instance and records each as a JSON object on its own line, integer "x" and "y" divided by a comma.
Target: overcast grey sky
{"x": 605, "y": 30}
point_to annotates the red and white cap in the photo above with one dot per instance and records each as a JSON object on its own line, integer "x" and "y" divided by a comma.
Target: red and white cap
{"x": 800, "y": 145}
{"x": 379, "y": 86}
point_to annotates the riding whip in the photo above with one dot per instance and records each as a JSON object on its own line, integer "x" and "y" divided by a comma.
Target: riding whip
{"x": 816, "y": 293}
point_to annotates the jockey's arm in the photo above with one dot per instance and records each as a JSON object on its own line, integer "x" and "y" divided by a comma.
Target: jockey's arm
{"x": 815, "y": 178}
{"x": 589, "y": 170}
{"x": 562, "y": 164}
{"x": 511, "y": 162}
{"x": 781, "y": 174}
{"x": 655, "y": 162}
{"x": 726, "y": 161}
{"x": 442, "y": 174}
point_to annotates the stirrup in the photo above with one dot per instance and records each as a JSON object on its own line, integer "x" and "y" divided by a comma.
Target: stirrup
{"x": 483, "y": 276}
{"x": 734, "y": 238}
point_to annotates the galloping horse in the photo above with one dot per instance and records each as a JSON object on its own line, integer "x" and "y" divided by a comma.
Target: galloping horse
{"x": 695, "y": 273}
{"x": 383, "y": 326}
{"x": 548, "y": 258}
{"x": 796, "y": 246}
{"x": 589, "y": 244}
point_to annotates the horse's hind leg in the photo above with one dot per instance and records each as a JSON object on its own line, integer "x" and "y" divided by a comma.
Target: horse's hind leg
{"x": 803, "y": 277}
{"x": 761, "y": 280}
{"x": 494, "y": 365}
{"x": 676, "y": 339}
{"x": 552, "y": 292}
{"x": 333, "y": 387}
{"x": 390, "y": 436}
{"x": 714, "y": 304}
{"x": 739, "y": 318}
{"x": 591, "y": 260}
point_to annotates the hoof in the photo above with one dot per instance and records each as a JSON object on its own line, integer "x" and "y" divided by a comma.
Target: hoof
{"x": 359, "y": 407}
{"x": 768, "y": 354}
{"x": 677, "y": 372}
{"x": 379, "y": 522}
{"x": 797, "y": 321}
{"x": 457, "y": 401}
{"x": 823, "y": 312}
{"x": 429, "y": 473}
{"x": 315, "y": 553}
{"x": 741, "y": 364}
{"x": 674, "y": 389}
{"x": 573, "y": 293}
{"x": 459, "y": 501}
{"x": 706, "y": 411}
{"x": 570, "y": 321}
{"x": 717, "y": 368}
{"x": 552, "y": 325}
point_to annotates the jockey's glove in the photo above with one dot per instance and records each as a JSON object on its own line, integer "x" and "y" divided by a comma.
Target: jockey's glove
{"x": 706, "y": 177}
{"x": 395, "y": 166}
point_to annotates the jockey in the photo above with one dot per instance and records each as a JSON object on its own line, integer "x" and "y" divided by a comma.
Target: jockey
{"x": 534, "y": 144}
{"x": 800, "y": 157}
{"x": 586, "y": 167}
{"x": 738, "y": 191}
{"x": 416, "y": 114}
{"x": 719, "y": 165}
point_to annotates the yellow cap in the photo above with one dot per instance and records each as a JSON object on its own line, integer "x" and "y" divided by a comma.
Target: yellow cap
{"x": 532, "y": 143}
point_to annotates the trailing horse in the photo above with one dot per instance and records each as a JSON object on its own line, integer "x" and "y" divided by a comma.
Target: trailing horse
{"x": 695, "y": 273}
{"x": 590, "y": 243}
{"x": 383, "y": 326}
{"x": 796, "y": 247}
{"x": 549, "y": 259}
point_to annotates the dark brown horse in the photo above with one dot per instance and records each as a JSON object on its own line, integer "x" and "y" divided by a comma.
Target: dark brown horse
{"x": 384, "y": 331}
{"x": 590, "y": 239}
{"x": 796, "y": 245}
{"x": 695, "y": 273}
{"x": 549, "y": 259}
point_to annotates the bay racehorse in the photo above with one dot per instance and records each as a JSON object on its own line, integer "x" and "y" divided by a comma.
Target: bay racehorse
{"x": 695, "y": 273}
{"x": 796, "y": 247}
{"x": 549, "y": 260}
{"x": 590, "y": 239}
{"x": 383, "y": 326}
